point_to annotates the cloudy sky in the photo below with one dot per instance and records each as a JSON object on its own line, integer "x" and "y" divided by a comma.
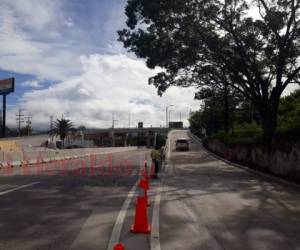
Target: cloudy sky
{"x": 66, "y": 61}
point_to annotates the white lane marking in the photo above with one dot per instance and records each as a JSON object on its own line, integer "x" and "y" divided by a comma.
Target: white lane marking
{"x": 155, "y": 240}
{"x": 20, "y": 187}
{"x": 116, "y": 232}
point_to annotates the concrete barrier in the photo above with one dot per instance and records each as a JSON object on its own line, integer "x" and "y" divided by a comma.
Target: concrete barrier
{"x": 16, "y": 158}
{"x": 32, "y": 156}
{"x": 2, "y": 156}
{"x": 282, "y": 160}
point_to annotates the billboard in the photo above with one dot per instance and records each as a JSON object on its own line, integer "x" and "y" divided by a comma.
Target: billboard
{"x": 7, "y": 86}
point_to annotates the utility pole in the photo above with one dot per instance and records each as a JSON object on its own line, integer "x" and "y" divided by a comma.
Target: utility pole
{"x": 19, "y": 119}
{"x": 113, "y": 120}
{"x": 113, "y": 126}
{"x": 179, "y": 116}
{"x": 170, "y": 115}
{"x": 167, "y": 116}
{"x": 28, "y": 124}
{"x": 129, "y": 119}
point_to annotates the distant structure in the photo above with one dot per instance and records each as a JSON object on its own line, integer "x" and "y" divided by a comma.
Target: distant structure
{"x": 176, "y": 125}
{"x": 139, "y": 136}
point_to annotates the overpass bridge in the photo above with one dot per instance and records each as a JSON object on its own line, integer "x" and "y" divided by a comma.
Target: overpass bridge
{"x": 126, "y": 136}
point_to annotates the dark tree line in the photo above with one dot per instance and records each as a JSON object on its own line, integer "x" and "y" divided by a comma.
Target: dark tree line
{"x": 244, "y": 119}
{"x": 205, "y": 43}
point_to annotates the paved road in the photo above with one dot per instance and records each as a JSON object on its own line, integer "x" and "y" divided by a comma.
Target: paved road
{"x": 208, "y": 204}
{"x": 205, "y": 204}
{"x": 59, "y": 209}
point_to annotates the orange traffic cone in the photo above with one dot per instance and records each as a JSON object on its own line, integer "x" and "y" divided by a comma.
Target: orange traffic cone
{"x": 145, "y": 173}
{"x": 141, "y": 217}
{"x": 144, "y": 184}
{"x": 146, "y": 178}
{"x": 146, "y": 197}
{"x": 119, "y": 246}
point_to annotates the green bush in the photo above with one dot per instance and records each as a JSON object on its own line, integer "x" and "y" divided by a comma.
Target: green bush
{"x": 288, "y": 133}
{"x": 253, "y": 135}
{"x": 246, "y": 132}
{"x": 242, "y": 134}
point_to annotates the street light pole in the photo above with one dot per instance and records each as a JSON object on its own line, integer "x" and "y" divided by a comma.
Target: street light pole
{"x": 170, "y": 115}
{"x": 167, "y": 114}
{"x": 112, "y": 129}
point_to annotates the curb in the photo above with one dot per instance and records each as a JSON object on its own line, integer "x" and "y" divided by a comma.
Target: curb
{"x": 248, "y": 169}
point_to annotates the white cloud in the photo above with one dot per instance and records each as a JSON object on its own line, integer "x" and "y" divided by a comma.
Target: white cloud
{"x": 34, "y": 40}
{"x": 36, "y": 83}
{"x": 69, "y": 22}
{"x": 40, "y": 38}
{"x": 31, "y": 34}
{"x": 36, "y": 15}
{"x": 110, "y": 83}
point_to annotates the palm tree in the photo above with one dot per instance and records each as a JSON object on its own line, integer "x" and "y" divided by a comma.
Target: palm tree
{"x": 61, "y": 128}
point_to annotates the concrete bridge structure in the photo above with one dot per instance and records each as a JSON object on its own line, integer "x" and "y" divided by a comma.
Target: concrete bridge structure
{"x": 125, "y": 136}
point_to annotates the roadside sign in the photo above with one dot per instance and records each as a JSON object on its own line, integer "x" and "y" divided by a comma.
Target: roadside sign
{"x": 7, "y": 86}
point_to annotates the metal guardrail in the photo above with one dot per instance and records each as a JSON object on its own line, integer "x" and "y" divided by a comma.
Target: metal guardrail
{"x": 196, "y": 138}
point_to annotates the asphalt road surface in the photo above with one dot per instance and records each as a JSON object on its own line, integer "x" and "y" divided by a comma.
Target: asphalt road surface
{"x": 204, "y": 204}
{"x": 74, "y": 207}
{"x": 208, "y": 204}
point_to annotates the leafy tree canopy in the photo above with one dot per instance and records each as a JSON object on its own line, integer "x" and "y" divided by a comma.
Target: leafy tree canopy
{"x": 205, "y": 42}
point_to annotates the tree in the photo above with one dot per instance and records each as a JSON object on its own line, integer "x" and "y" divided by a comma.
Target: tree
{"x": 81, "y": 128}
{"x": 289, "y": 111}
{"x": 221, "y": 99}
{"x": 205, "y": 121}
{"x": 62, "y": 127}
{"x": 201, "y": 42}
